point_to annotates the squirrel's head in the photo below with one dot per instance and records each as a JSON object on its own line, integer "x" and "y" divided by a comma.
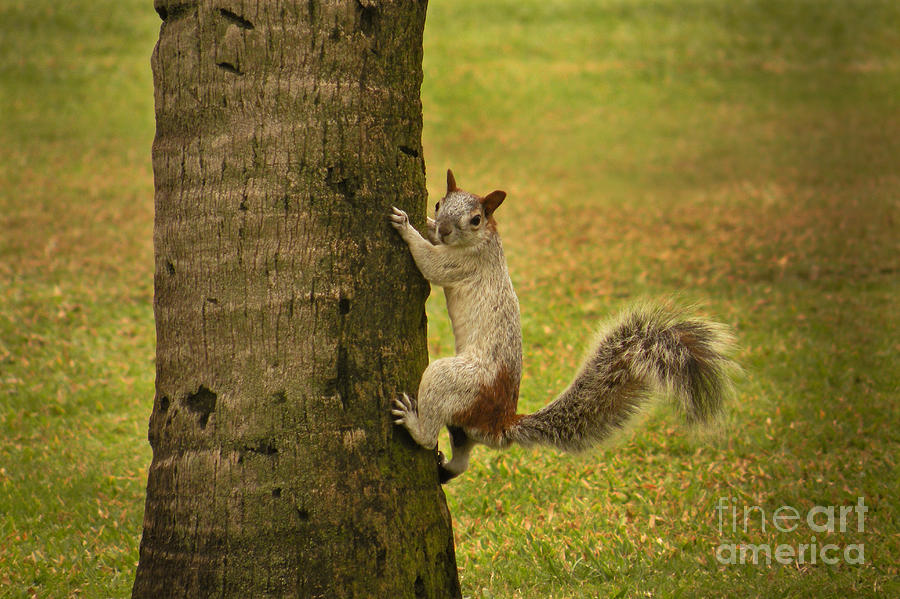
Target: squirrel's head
{"x": 463, "y": 218}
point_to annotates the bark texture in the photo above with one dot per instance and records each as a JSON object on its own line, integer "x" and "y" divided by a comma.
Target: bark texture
{"x": 288, "y": 312}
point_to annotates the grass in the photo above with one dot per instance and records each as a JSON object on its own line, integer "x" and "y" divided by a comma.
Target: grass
{"x": 741, "y": 154}
{"x": 76, "y": 328}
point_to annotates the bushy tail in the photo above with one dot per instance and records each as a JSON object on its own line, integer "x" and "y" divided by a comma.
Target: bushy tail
{"x": 646, "y": 349}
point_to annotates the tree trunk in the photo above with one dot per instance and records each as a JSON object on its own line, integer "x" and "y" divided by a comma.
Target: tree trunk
{"x": 288, "y": 312}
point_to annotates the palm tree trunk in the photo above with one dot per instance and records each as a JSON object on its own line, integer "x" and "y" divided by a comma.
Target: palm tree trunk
{"x": 288, "y": 312}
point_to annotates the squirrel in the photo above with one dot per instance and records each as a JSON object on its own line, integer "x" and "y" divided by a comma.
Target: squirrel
{"x": 474, "y": 393}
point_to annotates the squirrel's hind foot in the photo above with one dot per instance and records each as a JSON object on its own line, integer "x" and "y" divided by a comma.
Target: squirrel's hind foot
{"x": 406, "y": 414}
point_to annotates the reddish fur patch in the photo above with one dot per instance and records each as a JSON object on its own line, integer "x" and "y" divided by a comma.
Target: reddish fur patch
{"x": 494, "y": 408}
{"x": 490, "y": 203}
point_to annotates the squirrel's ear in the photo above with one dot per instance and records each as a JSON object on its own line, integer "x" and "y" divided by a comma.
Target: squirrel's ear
{"x": 492, "y": 201}
{"x": 451, "y": 182}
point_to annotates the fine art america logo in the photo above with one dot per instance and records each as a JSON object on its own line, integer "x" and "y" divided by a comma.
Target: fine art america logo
{"x": 819, "y": 519}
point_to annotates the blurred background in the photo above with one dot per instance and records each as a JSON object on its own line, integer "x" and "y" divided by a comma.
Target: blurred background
{"x": 742, "y": 155}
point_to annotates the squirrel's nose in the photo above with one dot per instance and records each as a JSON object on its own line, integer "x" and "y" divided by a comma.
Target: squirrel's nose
{"x": 444, "y": 229}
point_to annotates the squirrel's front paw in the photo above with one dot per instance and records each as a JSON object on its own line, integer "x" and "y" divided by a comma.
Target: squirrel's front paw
{"x": 399, "y": 219}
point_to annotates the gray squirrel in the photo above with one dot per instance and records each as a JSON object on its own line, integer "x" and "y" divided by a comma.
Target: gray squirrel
{"x": 474, "y": 393}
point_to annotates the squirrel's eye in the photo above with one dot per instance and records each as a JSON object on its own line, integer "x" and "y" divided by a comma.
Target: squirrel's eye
{"x": 436, "y": 207}
{"x": 476, "y": 220}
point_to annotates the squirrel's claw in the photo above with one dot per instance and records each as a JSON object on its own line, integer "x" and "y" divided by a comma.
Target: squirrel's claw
{"x": 403, "y": 409}
{"x": 399, "y": 219}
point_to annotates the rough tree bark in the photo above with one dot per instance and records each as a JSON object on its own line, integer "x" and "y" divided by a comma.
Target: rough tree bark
{"x": 288, "y": 312}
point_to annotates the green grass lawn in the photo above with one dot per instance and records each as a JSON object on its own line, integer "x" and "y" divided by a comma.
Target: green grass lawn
{"x": 741, "y": 154}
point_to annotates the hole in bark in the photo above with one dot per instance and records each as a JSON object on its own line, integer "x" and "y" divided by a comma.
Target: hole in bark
{"x": 264, "y": 447}
{"x": 368, "y": 19}
{"x": 303, "y": 515}
{"x": 346, "y": 186}
{"x": 235, "y": 19}
{"x": 279, "y": 397}
{"x": 419, "y": 587}
{"x": 276, "y": 492}
{"x": 344, "y": 305}
{"x": 243, "y": 205}
{"x": 163, "y": 403}
{"x": 409, "y": 151}
{"x": 170, "y": 268}
{"x": 227, "y": 66}
{"x": 172, "y": 12}
{"x": 202, "y": 403}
